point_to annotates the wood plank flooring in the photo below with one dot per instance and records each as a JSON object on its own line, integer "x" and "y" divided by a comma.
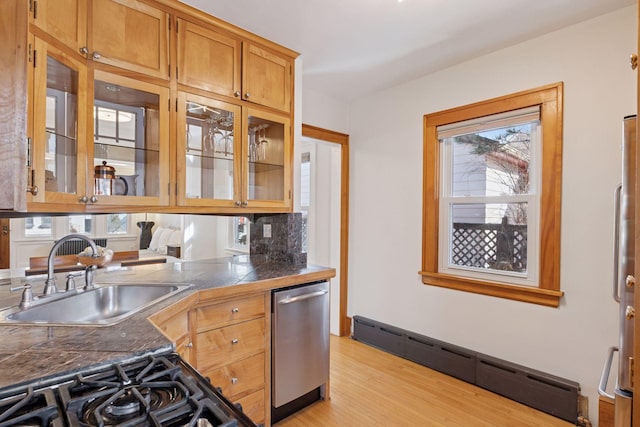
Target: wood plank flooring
{"x": 372, "y": 388}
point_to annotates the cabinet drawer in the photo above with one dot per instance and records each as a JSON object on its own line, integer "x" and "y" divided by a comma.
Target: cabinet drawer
{"x": 253, "y": 406}
{"x": 239, "y": 377}
{"x": 220, "y": 346}
{"x": 229, "y": 312}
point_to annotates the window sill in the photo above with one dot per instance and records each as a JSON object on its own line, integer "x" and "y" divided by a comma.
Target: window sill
{"x": 528, "y": 294}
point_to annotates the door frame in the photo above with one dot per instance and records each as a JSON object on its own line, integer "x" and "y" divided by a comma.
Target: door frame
{"x": 326, "y": 135}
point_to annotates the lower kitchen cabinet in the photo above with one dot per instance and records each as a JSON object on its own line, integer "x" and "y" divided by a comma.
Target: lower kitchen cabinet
{"x": 231, "y": 348}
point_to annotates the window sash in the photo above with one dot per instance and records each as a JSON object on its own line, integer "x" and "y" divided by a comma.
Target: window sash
{"x": 445, "y": 133}
{"x": 494, "y": 121}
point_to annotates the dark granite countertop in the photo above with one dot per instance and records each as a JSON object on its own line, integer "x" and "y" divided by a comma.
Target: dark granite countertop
{"x": 29, "y": 353}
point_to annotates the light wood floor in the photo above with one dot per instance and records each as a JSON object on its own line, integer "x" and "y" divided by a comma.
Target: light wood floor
{"x": 372, "y": 388}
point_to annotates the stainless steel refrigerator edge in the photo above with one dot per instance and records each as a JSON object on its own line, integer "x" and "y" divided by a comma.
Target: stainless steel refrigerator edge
{"x": 300, "y": 341}
{"x": 624, "y": 280}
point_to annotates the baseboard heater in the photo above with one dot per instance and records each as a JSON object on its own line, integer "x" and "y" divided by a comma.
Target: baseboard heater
{"x": 545, "y": 392}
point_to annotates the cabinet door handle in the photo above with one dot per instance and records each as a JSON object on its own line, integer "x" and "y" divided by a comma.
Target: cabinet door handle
{"x": 245, "y": 204}
{"x": 238, "y": 202}
{"x": 234, "y": 380}
{"x": 235, "y": 341}
{"x": 236, "y": 94}
{"x": 247, "y": 95}
{"x": 83, "y": 199}
{"x": 634, "y": 61}
{"x": 83, "y": 50}
{"x": 33, "y": 190}
{"x": 93, "y": 199}
{"x": 190, "y": 345}
{"x": 96, "y": 55}
{"x": 235, "y": 310}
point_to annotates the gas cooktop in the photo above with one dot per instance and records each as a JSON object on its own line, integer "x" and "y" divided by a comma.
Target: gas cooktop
{"x": 147, "y": 391}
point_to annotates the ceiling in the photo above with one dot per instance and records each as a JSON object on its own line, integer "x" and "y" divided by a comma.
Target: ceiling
{"x": 351, "y": 48}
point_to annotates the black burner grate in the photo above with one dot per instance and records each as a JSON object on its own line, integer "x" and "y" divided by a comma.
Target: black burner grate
{"x": 148, "y": 391}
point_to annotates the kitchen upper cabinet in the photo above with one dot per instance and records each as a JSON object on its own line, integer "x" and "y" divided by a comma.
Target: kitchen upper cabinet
{"x": 208, "y": 60}
{"x": 225, "y": 65}
{"x": 64, "y": 20}
{"x": 231, "y": 156}
{"x": 130, "y": 128}
{"x": 58, "y": 156}
{"x": 266, "y": 77}
{"x": 209, "y": 146}
{"x": 214, "y": 134}
{"x": 130, "y": 35}
{"x": 123, "y": 122}
{"x": 267, "y": 160}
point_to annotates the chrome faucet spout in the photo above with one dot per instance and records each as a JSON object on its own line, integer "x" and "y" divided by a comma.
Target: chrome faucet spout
{"x": 50, "y": 284}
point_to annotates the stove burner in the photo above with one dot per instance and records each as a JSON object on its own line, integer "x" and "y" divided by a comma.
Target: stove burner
{"x": 130, "y": 402}
{"x": 148, "y": 391}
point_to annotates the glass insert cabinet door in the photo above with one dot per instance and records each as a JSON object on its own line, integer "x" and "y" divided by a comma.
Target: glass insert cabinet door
{"x": 130, "y": 141}
{"x": 267, "y": 155}
{"x": 209, "y": 159}
{"x": 59, "y": 127}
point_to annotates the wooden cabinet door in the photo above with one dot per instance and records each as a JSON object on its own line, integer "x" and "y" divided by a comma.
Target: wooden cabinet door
{"x": 267, "y": 160}
{"x": 208, "y": 60}
{"x": 131, "y": 35}
{"x": 131, "y": 133}
{"x": 266, "y": 77}
{"x": 64, "y": 20}
{"x": 208, "y": 161}
{"x": 59, "y": 128}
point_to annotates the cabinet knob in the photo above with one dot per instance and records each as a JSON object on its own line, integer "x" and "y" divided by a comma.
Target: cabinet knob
{"x": 238, "y": 202}
{"x": 630, "y": 312}
{"x": 236, "y": 94}
{"x": 234, "y": 380}
{"x": 83, "y": 199}
{"x": 633, "y": 59}
{"x": 93, "y": 199}
{"x": 190, "y": 345}
{"x": 235, "y": 341}
{"x": 96, "y": 55}
{"x": 247, "y": 95}
{"x": 245, "y": 204}
{"x": 235, "y": 310}
{"x": 33, "y": 189}
{"x": 630, "y": 281}
{"x": 83, "y": 50}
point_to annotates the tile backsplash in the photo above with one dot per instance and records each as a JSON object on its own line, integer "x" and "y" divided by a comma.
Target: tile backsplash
{"x": 285, "y": 241}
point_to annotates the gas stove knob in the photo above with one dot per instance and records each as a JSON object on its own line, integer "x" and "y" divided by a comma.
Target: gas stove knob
{"x": 630, "y": 312}
{"x": 630, "y": 281}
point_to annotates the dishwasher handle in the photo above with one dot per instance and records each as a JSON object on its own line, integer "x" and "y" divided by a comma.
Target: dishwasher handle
{"x": 604, "y": 378}
{"x": 290, "y": 300}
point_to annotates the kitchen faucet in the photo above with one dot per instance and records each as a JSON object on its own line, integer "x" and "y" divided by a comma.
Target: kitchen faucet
{"x": 50, "y": 284}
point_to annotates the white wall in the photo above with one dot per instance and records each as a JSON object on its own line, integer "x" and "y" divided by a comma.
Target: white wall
{"x": 386, "y": 201}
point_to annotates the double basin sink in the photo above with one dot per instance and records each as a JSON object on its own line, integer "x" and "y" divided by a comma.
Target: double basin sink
{"x": 103, "y": 305}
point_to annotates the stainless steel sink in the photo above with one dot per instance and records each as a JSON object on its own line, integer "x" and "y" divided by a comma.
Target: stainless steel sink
{"x": 103, "y": 305}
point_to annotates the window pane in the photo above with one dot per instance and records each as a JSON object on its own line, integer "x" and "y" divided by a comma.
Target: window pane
{"x": 37, "y": 226}
{"x": 491, "y": 163}
{"x": 117, "y": 224}
{"x": 489, "y": 236}
{"x": 80, "y": 224}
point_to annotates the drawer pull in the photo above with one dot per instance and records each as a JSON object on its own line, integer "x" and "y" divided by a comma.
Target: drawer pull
{"x": 235, "y": 310}
{"x": 234, "y": 341}
{"x": 234, "y": 380}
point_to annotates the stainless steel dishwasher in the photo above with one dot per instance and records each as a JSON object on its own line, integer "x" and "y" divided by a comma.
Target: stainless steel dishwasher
{"x": 300, "y": 347}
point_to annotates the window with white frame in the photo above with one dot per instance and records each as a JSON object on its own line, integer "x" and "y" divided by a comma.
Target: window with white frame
{"x": 489, "y": 196}
{"x": 492, "y": 197}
